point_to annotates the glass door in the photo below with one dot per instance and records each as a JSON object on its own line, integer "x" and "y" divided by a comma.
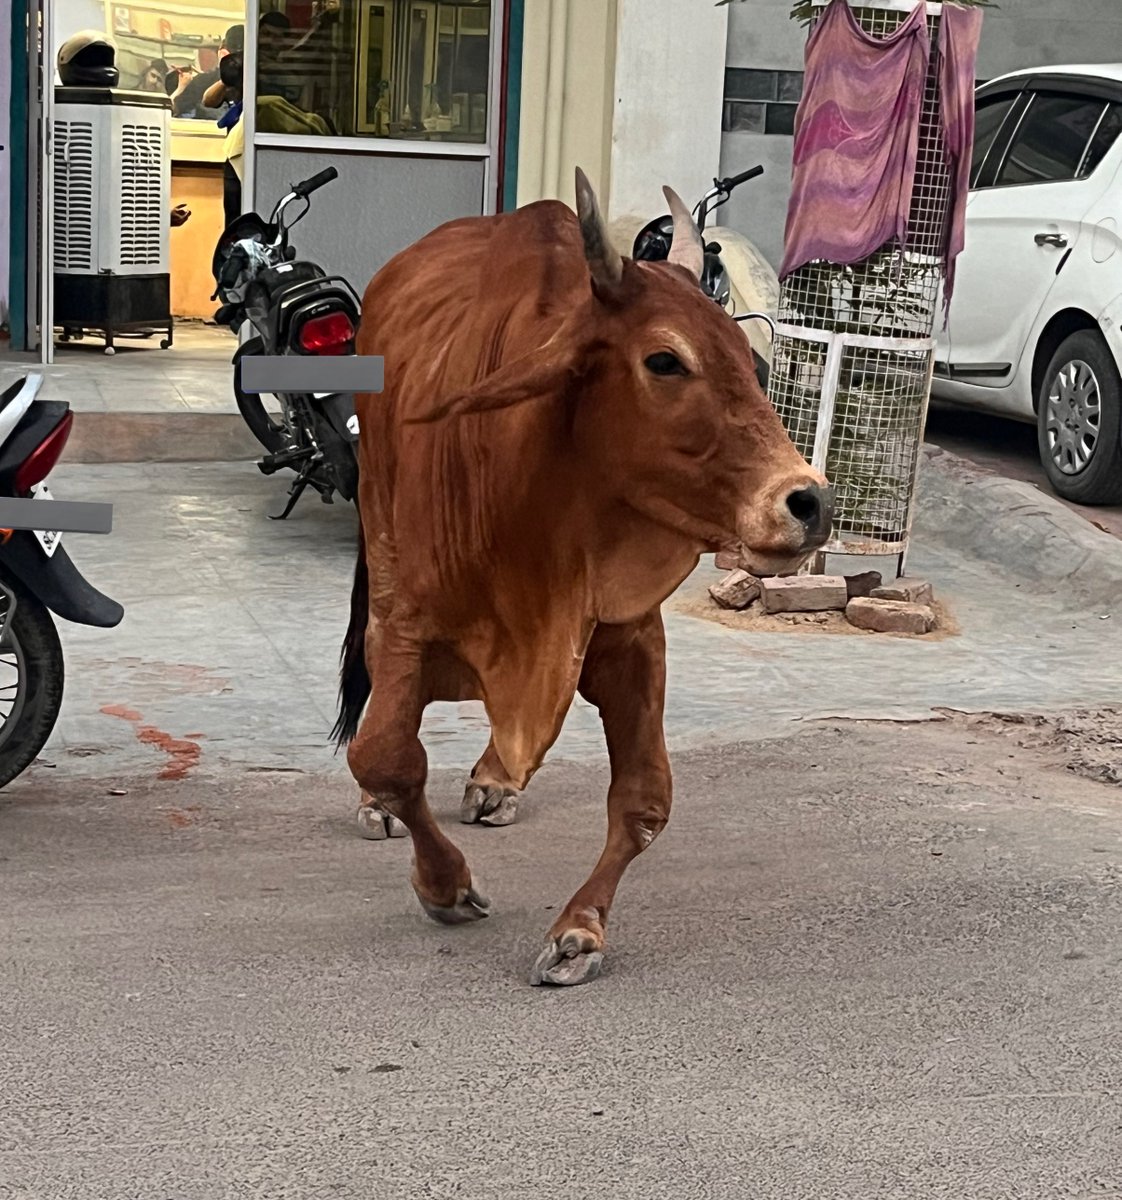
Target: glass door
{"x": 40, "y": 177}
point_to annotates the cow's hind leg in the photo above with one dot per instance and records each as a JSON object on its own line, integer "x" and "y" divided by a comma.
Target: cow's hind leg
{"x": 486, "y": 800}
{"x": 624, "y": 675}
{"x": 375, "y": 823}
{"x": 390, "y": 765}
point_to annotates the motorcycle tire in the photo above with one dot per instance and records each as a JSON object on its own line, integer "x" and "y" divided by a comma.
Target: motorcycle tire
{"x": 273, "y": 435}
{"x": 32, "y": 648}
{"x": 340, "y": 459}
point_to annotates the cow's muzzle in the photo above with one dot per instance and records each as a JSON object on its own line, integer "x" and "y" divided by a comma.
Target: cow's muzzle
{"x": 782, "y": 528}
{"x": 813, "y": 507}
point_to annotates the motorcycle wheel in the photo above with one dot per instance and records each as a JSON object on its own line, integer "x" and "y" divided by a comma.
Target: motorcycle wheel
{"x": 32, "y": 673}
{"x": 275, "y": 436}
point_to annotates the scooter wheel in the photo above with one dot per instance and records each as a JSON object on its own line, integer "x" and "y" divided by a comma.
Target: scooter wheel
{"x": 31, "y": 670}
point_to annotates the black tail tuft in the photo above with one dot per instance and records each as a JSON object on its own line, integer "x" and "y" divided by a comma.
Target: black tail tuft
{"x": 354, "y": 679}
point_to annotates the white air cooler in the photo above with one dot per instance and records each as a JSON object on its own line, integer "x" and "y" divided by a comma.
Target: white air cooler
{"x": 112, "y": 210}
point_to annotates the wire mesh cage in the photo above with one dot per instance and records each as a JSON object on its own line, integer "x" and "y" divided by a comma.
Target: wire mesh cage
{"x": 853, "y": 352}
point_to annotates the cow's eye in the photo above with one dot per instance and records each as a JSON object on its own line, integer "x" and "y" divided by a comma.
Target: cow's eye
{"x": 665, "y": 363}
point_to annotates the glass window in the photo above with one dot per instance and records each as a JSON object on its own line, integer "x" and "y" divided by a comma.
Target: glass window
{"x": 988, "y": 116}
{"x": 790, "y": 85}
{"x": 411, "y": 69}
{"x": 167, "y": 48}
{"x": 1104, "y": 139}
{"x": 744, "y": 84}
{"x": 743, "y": 118}
{"x": 1049, "y": 144}
{"x": 781, "y": 119}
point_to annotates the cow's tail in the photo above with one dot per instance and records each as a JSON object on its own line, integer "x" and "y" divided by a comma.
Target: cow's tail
{"x": 354, "y": 679}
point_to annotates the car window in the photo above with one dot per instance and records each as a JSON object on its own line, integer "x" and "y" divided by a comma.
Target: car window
{"x": 1049, "y": 143}
{"x": 988, "y": 116}
{"x": 1104, "y": 138}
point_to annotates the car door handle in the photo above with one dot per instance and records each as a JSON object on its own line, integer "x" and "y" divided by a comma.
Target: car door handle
{"x": 1051, "y": 239}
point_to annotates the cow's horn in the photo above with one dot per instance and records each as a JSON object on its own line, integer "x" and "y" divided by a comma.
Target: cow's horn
{"x": 686, "y": 249}
{"x": 604, "y": 260}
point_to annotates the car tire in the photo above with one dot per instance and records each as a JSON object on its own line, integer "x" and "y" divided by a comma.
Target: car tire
{"x": 1082, "y": 452}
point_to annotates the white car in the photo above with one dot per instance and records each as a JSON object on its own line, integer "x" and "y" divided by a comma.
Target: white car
{"x": 1035, "y": 328}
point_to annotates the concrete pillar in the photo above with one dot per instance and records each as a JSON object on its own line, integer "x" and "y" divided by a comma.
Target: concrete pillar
{"x": 630, "y": 90}
{"x": 568, "y": 64}
{"x": 669, "y": 91}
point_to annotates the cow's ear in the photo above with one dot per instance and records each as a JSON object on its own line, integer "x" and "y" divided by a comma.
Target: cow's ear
{"x": 539, "y": 376}
{"x": 605, "y": 264}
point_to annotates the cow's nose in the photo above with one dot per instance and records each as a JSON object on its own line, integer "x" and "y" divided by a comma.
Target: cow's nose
{"x": 813, "y": 508}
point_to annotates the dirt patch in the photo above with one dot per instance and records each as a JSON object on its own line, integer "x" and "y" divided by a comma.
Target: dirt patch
{"x": 1085, "y": 742}
{"x": 755, "y": 620}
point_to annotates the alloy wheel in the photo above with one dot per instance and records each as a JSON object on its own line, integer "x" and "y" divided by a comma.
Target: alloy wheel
{"x": 1073, "y": 417}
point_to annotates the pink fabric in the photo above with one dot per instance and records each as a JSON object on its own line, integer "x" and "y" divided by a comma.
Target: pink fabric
{"x": 959, "y": 32}
{"x": 856, "y": 139}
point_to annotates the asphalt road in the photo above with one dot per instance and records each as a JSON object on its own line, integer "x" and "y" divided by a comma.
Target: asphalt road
{"x": 868, "y": 961}
{"x": 1005, "y": 448}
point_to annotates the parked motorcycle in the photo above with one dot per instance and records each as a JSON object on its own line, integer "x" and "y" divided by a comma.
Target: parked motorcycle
{"x": 652, "y": 244}
{"x": 37, "y": 578}
{"x": 294, "y": 307}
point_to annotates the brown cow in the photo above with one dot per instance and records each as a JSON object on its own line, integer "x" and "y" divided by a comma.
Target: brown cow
{"x": 562, "y": 434}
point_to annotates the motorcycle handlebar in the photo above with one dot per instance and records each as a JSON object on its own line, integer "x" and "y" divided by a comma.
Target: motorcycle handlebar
{"x": 325, "y": 176}
{"x": 726, "y": 185}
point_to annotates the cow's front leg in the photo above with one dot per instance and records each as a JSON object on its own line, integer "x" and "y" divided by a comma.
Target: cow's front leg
{"x": 487, "y": 800}
{"x": 390, "y": 765}
{"x": 624, "y": 675}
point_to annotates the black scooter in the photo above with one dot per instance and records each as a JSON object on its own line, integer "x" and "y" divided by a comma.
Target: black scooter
{"x": 37, "y": 578}
{"x": 295, "y": 308}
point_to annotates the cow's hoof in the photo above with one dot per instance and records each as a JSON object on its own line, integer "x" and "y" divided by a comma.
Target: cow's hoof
{"x": 489, "y": 805}
{"x": 376, "y": 825}
{"x": 564, "y": 964}
{"x": 470, "y": 906}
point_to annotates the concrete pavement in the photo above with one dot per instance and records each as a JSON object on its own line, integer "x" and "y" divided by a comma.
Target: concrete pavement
{"x": 233, "y": 626}
{"x": 865, "y": 961}
{"x": 861, "y": 964}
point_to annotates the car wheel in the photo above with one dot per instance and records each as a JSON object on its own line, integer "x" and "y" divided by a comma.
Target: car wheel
{"x": 1079, "y": 421}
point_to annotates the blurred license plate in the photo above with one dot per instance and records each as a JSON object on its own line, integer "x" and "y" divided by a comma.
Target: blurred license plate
{"x": 48, "y": 539}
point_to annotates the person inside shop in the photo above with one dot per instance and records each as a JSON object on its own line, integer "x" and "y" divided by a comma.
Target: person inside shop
{"x": 290, "y": 63}
{"x": 189, "y": 99}
{"x": 228, "y": 90}
{"x": 154, "y": 75}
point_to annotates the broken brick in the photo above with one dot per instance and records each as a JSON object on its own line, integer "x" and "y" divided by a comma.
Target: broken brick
{"x": 803, "y": 593}
{"x": 912, "y": 591}
{"x": 737, "y": 590}
{"x": 889, "y": 616}
{"x": 727, "y": 560}
{"x": 863, "y": 584}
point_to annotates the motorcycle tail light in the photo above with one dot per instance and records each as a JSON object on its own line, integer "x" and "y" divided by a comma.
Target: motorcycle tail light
{"x": 41, "y": 461}
{"x": 329, "y": 334}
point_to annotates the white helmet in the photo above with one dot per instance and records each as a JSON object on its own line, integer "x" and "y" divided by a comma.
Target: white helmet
{"x": 88, "y": 59}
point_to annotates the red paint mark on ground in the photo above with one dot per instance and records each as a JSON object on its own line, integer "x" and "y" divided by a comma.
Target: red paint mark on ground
{"x": 119, "y": 710}
{"x": 183, "y": 753}
{"x": 178, "y": 819}
{"x": 194, "y": 736}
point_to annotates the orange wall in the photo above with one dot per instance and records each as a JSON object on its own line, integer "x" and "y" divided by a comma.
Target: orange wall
{"x": 192, "y": 245}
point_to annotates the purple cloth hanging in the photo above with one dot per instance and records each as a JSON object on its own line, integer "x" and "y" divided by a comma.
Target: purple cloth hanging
{"x": 856, "y": 139}
{"x": 959, "y": 32}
